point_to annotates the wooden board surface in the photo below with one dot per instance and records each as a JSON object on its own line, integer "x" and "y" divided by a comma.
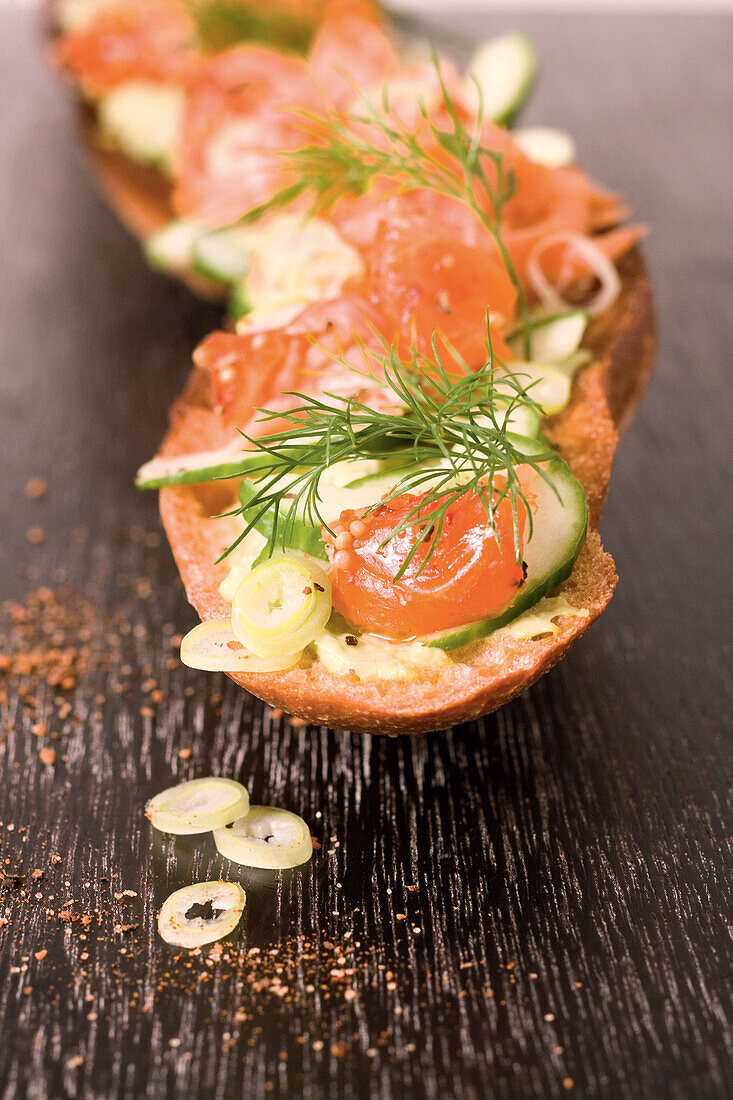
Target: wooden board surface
{"x": 531, "y": 906}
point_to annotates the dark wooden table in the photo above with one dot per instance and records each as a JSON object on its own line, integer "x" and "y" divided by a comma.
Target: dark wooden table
{"x": 515, "y": 908}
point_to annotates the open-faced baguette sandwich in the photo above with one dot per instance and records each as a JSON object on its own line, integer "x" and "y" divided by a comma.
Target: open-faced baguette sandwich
{"x": 182, "y": 103}
{"x": 383, "y": 490}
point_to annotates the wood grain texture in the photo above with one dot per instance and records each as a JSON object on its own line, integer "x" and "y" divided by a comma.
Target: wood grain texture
{"x": 581, "y": 834}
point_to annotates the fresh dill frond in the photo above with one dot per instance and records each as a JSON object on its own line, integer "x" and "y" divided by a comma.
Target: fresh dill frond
{"x": 347, "y": 153}
{"x": 449, "y": 430}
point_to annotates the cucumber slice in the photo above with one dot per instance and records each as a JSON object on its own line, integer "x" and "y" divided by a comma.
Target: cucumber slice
{"x": 239, "y": 302}
{"x": 170, "y": 249}
{"x": 523, "y": 426}
{"x": 293, "y": 533}
{"x": 546, "y": 385}
{"x": 220, "y": 256}
{"x": 193, "y": 468}
{"x": 543, "y": 145}
{"x": 500, "y": 76}
{"x": 201, "y": 466}
{"x": 523, "y": 420}
{"x": 558, "y": 337}
{"x": 142, "y": 120}
{"x": 389, "y": 476}
{"x": 298, "y": 533}
{"x": 558, "y": 534}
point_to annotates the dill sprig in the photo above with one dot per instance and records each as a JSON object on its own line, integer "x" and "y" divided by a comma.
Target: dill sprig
{"x": 449, "y": 432}
{"x": 341, "y": 159}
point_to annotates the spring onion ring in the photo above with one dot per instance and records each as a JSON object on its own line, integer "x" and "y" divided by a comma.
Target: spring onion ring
{"x": 600, "y": 265}
{"x": 202, "y": 913}
{"x": 198, "y": 806}
{"x": 267, "y": 837}
{"x": 281, "y": 605}
{"x": 214, "y": 647}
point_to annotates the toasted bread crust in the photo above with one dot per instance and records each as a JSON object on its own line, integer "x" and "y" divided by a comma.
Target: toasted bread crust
{"x": 491, "y": 672}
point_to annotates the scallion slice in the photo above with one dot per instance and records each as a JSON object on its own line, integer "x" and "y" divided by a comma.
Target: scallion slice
{"x": 198, "y": 806}
{"x": 599, "y": 266}
{"x": 202, "y": 913}
{"x": 281, "y": 605}
{"x": 214, "y": 647}
{"x": 267, "y": 837}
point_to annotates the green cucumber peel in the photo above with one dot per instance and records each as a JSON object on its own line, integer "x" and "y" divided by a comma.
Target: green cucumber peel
{"x": 218, "y": 257}
{"x": 170, "y": 248}
{"x": 195, "y": 469}
{"x": 553, "y": 337}
{"x": 504, "y": 71}
{"x": 548, "y": 565}
{"x": 282, "y": 530}
{"x": 239, "y": 303}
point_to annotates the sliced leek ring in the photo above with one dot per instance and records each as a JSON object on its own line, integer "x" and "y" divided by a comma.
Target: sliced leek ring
{"x": 214, "y": 647}
{"x": 545, "y": 384}
{"x": 281, "y": 605}
{"x": 202, "y": 913}
{"x": 267, "y": 837}
{"x": 198, "y": 806}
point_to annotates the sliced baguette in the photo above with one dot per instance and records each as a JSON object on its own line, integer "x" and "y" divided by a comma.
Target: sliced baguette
{"x": 489, "y": 673}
